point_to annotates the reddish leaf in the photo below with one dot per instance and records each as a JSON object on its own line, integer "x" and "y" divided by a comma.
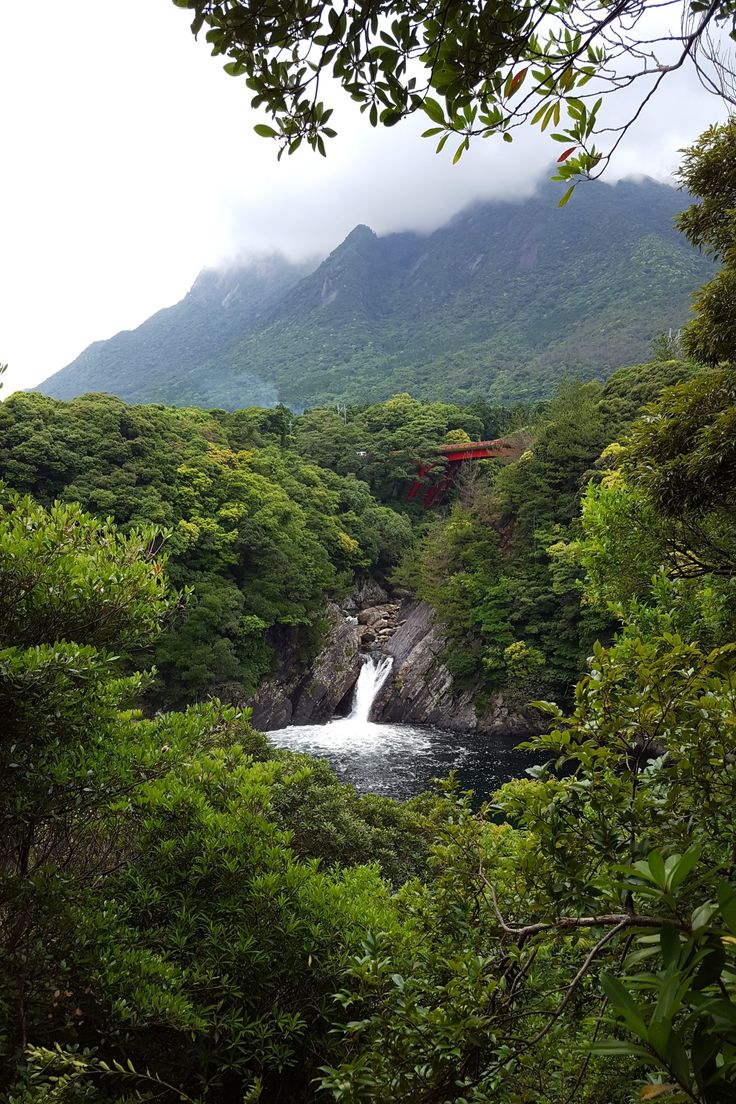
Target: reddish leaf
{"x": 566, "y": 154}
{"x": 516, "y": 81}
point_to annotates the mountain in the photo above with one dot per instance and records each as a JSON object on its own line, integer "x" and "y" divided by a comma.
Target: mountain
{"x": 502, "y": 300}
{"x": 215, "y": 313}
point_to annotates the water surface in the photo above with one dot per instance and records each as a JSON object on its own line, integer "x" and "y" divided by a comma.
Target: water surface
{"x": 400, "y": 761}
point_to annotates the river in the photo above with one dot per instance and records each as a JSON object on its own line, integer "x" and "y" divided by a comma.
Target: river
{"x": 398, "y": 760}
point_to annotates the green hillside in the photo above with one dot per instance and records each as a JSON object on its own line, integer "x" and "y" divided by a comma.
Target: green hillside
{"x": 217, "y": 310}
{"x": 505, "y": 299}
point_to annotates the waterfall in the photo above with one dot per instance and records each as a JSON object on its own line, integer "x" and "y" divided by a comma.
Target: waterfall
{"x": 370, "y": 680}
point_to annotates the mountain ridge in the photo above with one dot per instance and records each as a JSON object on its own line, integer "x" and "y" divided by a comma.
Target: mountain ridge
{"x": 503, "y": 299}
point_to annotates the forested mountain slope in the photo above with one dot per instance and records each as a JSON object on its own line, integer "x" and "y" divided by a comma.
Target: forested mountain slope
{"x": 505, "y": 299}
{"x": 217, "y": 310}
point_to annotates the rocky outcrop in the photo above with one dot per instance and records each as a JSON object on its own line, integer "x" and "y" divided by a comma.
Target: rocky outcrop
{"x": 376, "y": 626}
{"x": 291, "y": 697}
{"x": 270, "y": 706}
{"x": 420, "y": 689}
{"x": 365, "y": 594}
{"x": 334, "y": 673}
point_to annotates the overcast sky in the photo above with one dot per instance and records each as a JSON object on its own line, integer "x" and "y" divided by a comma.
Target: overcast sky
{"x": 129, "y": 162}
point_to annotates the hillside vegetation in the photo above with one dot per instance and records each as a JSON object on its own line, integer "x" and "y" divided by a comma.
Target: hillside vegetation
{"x": 502, "y": 302}
{"x": 262, "y": 536}
{"x": 264, "y": 516}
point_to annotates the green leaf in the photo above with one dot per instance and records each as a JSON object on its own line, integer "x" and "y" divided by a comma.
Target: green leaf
{"x": 683, "y": 867}
{"x": 619, "y": 1048}
{"x": 678, "y": 1060}
{"x": 434, "y": 110}
{"x": 623, "y": 1003}
{"x": 265, "y": 131}
{"x": 669, "y": 944}
{"x": 566, "y": 196}
{"x": 727, "y": 904}
{"x": 703, "y": 915}
{"x": 656, "y": 867}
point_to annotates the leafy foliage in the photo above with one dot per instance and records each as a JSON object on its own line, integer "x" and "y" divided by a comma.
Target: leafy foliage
{"x": 188, "y": 915}
{"x": 383, "y": 443}
{"x": 261, "y": 535}
{"x": 708, "y": 171}
{"x": 473, "y": 73}
{"x": 157, "y": 923}
{"x": 504, "y": 571}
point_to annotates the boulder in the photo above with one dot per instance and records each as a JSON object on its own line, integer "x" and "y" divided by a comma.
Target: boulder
{"x": 370, "y": 614}
{"x": 381, "y": 624}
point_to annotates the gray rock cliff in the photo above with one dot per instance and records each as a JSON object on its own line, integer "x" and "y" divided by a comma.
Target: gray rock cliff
{"x": 291, "y": 697}
{"x": 420, "y": 689}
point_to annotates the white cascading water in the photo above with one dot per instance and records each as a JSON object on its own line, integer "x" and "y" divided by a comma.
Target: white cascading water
{"x": 370, "y": 680}
{"x": 378, "y": 758}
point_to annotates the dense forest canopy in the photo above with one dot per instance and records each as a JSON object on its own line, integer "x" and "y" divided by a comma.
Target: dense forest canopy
{"x": 183, "y": 940}
{"x": 261, "y": 535}
{"x": 188, "y": 914}
{"x": 264, "y": 515}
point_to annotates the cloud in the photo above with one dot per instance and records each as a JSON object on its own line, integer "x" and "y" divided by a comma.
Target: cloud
{"x": 130, "y": 163}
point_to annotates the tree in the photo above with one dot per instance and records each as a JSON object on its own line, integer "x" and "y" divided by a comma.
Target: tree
{"x": 261, "y": 534}
{"x": 473, "y": 70}
{"x": 708, "y": 171}
{"x": 591, "y": 951}
{"x": 74, "y": 595}
{"x": 157, "y": 927}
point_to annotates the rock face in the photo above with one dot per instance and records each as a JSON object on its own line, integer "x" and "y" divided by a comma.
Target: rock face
{"x": 420, "y": 689}
{"x": 291, "y": 697}
{"x": 335, "y": 671}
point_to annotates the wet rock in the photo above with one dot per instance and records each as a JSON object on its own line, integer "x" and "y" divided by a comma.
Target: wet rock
{"x": 270, "y": 707}
{"x": 505, "y": 719}
{"x": 371, "y": 614}
{"x": 335, "y": 670}
{"x": 292, "y": 697}
{"x": 420, "y": 689}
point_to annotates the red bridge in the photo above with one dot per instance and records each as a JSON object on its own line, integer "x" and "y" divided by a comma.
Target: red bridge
{"x": 453, "y": 455}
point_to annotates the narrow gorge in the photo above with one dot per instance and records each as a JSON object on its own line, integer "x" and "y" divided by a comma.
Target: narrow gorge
{"x": 380, "y": 705}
